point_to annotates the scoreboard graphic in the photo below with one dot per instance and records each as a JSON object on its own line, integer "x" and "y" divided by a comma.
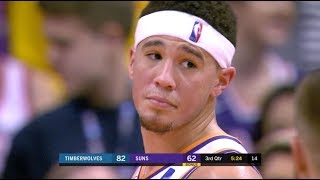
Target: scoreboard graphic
{"x": 107, "y": 159}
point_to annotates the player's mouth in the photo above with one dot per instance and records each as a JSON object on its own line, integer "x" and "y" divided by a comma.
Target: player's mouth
{"x": 161, "y": 102}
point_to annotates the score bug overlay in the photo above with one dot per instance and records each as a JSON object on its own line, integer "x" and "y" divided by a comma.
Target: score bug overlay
{"x": 231, "y": 159}
{"x": 108, "y": 159}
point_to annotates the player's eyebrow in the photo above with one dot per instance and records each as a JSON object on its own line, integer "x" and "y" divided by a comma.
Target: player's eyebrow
{"x": 153, "y": 43}
{"x": 192, "y": 51}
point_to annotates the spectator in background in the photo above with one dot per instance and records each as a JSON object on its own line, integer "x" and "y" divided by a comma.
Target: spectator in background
{"x": 277, "y": 111}
{"x": 276, "y": 130}
{"x": 15, "y": 101}
{"x": 19, "y": 86}
{"x": 19, "y": 98}
{"x": 275, "y": 133}
{"x": 277, "y": 160}
{"x": 303, "y": 46}
{"x": 306, "y": 144}
{"x": 86, "y": 45}
{"x": 15, "y": 92}
{"x": 261, "y": 25}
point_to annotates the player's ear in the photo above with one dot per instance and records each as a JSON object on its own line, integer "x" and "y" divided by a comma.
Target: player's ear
{"x": 224, "y": 78}
{"x": 131, "y": 62}
{"x": 299, "y": 159}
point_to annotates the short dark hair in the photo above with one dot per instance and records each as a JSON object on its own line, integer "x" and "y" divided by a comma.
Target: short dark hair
{"x": 216, "y": 13}
{"x": 93, "y": 13}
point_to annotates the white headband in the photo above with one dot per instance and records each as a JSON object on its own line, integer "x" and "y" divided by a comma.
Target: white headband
{"x": 189, "y": 28}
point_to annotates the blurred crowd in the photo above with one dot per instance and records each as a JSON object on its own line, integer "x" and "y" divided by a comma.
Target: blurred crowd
{"x": 64, "y": 85}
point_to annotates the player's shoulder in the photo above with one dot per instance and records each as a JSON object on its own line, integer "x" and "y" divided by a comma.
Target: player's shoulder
{"x": 228, "y": 172}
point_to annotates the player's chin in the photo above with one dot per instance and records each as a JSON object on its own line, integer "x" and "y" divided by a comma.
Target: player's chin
{"x": 156, "y": 125}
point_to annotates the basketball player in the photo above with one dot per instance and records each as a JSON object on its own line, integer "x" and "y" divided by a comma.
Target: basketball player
{"x": 180, "y": 63}
{"x": 306, "y": 144}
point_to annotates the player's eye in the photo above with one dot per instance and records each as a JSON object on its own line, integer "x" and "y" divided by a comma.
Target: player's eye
{"x": 188, "y": 64}
{"x": 154, "y": 56}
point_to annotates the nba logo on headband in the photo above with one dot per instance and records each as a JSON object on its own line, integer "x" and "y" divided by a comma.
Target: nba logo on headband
{"x": 196, "y": 32}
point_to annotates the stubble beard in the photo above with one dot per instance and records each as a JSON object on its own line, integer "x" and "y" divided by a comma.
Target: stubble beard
{"x": 155, "y": 125}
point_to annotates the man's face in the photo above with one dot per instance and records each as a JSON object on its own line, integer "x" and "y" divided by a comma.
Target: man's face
{"x": 280, "y": 113}
{"x": 172, "y": 82}
{"x": 78, "y": 53}
{"x": 270, "y": 21}
{"x": 278, "y": 165}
